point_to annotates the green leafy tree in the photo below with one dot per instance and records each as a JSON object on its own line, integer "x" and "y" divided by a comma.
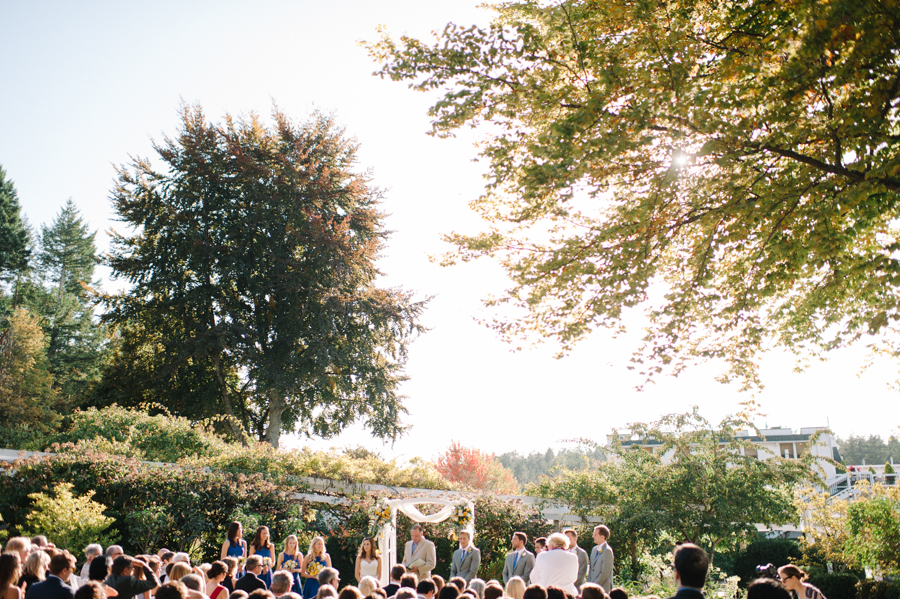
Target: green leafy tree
{"x": 742, "y": 158}
{"x": 75, "y": 342}
{"x": 68, "y": 520}
{"x": 27, "y": 398}
{"x": 874, "y": 527}
{"x": 686, "y": 478}
{"x": 14, "y": 236}
{"x": 261, "y": 243}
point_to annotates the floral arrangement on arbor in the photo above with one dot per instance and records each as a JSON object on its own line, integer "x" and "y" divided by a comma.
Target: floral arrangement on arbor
{"x": 462, "y": 516}
{"x": 379, "y": 515}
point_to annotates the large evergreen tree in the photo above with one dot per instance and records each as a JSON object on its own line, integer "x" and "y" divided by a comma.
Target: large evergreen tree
{"x": 68, "y": 257}
{"x": 255, "y": 249}
{"x": 13, "y": 232}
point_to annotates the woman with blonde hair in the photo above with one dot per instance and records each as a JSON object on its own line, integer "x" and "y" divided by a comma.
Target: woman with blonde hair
{"x": 556, "y": 566}
{"x": 315, "y": 560}
{"x": 515, "y": 588}
{"x": 293, "y": 558}
{"x": 368, "y": 561}
{"x": 34, "y": 569}
{"x": 368, "y": 584}
{"x": 179, "y": 570}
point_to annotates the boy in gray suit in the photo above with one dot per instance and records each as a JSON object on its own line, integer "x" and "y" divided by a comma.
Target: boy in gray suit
{"x": 466, "y": 559}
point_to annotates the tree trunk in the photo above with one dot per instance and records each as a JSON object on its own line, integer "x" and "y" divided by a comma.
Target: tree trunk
{"x": 276, "y": 409}
{"x": 635, "y": 565}
{"x": 236, "y": 430}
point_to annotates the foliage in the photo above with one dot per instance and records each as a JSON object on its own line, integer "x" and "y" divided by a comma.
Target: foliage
{"x": 529, "y": 468}
{"x": 877, "y": 589}
{"x": 837, "y": 585}
{"x": 14, "y": 236}
{"x": 743, "y": 155}
{"x": 68, "y": 256}
{"x": 870, "y": 450}
{"x": 874, "y": 526}
{"x": 200, "y": 502}
{"x": 261, "y": 242}
{"x": 826, "y": 526}
{"x": 26, "y": 394}
{"x": 161, "y": 438}
{"x": 147, "y": 527}
{"x": 475, "y": 470}
{"x": 685, "y": 478}
{"x": 778, "y": 552}
{"x": 68, "y": 521}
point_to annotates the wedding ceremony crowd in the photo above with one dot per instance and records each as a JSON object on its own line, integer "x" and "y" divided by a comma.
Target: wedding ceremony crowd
{"x": 558, "y": 569}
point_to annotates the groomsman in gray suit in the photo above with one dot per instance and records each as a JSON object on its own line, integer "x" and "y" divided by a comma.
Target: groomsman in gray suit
{"x": 582, "y": 556}
{"x": 466, "y": 559}
{"x": 601, "y": 559}
{"x": 520, "y": 562}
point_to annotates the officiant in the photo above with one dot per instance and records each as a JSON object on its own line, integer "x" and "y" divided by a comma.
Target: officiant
{"x": 419, "y": 555}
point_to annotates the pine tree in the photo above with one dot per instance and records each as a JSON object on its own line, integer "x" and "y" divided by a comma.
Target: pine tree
{"x": 13, "y": 232}
{"x": 68, "y": 256}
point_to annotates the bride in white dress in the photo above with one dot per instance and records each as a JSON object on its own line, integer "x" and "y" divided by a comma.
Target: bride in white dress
{"x": 368, "y": 561}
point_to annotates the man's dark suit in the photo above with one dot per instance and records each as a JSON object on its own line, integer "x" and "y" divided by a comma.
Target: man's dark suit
{"x": 52, "y": 588}
{"x": 249, "y": 582}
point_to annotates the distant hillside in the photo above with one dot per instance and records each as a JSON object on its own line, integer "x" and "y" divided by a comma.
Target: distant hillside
{"x": 528, "y": 469}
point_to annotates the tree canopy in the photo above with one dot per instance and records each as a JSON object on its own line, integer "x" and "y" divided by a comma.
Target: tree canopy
{"x": 743, "y": 158}
{"x": 254, "y": 251}
{"x": 14, "y": 237}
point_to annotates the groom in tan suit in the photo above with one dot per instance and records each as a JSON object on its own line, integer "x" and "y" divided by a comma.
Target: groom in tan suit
{"x": 419, "y": 556}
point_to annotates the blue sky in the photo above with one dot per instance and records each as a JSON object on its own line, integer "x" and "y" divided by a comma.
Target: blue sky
{"x": 85, "y": 85}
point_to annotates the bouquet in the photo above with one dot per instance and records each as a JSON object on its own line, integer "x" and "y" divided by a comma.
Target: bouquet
{"x": 267, "y": 562}
{"x": 313, "y": 568}
{"x": 290, "y": 565}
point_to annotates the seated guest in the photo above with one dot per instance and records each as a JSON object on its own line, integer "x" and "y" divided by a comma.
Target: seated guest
{"x": 99, "y": 572}
{"x": 589, "y": 590}
{"x": 171, "y": 590}
{"x": 34, "y": 568}
{"x": 449, "y": 592}
{"x": 535, "y": 591}
{"x": 425, "y": 589}
{"x": 10, "y": 570}
{"x": 215, "y": 576}
{"x": 350, "y": 592}
{"x": 329, "y": 576}
{"x": 406, "y": 593}
{"x": 766, "y": 588}
{"x": 793, "y": 579}
{"x": 515, "y": 588}
{"x": 90, "y": 590}
{"x": 251, "y": 581}
{"x": 691, "y": 564}
{"x": 125, "y": 583}
{"x": 459, "y": 583}
{"x": 62, "y": 565}
{"x": 194, "y": 585}
{"x": 90, "y": 552}
{"x": 179, "y": 570}
{"x": 367, "y": 585}
{"x": 493, "y": 591}
{"x": 261, "y": 594}
{"x": 397, "y": 573}
{"x": 618, "y": 593}
{"x": 556, "y": 566}
{"x": 476, "y": 585}
{"x": 326, "y": 592}
{"x": 555, "y": 592}
{"x": 282, "y": 581}
{"x": 238, "y": 595}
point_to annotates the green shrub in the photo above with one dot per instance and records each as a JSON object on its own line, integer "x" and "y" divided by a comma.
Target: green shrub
{"x": 777, "y": 552}
{"x": 873, "y": 589}
{"x": 889, "y": 469}
{"x": 68, "y": 521}
{"x": 837, "y": 585}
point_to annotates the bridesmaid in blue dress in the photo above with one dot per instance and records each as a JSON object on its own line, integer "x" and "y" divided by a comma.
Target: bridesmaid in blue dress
{"x": 235, "y": 546}
{"x": 263, "y": 547}
{"x": 291, "y": 553}
{"x": 313, "y": 563}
